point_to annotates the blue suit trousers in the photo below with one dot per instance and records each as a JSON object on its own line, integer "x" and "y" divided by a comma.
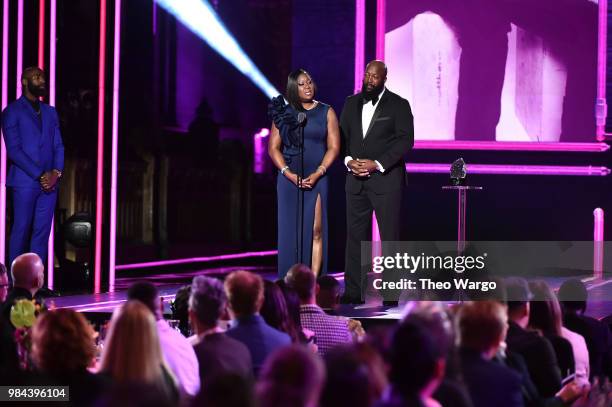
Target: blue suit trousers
{"x": 32, "y": 215}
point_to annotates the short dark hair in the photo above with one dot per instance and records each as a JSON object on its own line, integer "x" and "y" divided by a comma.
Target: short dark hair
{"x": 26, "y": 72}
{"x": 207, "y": 299}
{"x": 245, "y": 292}
{"x": 292, "y": 93}
{"x": 328, "y": 283}
{"x": 146, "y": 293}
{"x": 416, "y": 346}
{"x": 573, "y": 295}
{"x": 481, "y": 324}
{"x": 303, "y": 281}
{"x": 291, "y": 376}
{"x": 517, "y": 293}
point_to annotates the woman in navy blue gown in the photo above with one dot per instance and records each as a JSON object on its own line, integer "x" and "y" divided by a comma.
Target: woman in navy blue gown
{"x": 321, "y": 147}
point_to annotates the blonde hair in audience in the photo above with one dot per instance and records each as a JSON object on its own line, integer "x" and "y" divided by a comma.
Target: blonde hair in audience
{"x": 132, "y": 352}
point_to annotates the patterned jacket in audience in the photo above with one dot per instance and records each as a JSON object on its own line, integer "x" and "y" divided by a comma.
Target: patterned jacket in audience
{"x": 330, "y": 331}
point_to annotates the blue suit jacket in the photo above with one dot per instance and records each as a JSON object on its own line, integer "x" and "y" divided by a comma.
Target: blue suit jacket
{"x": 33, "y": 146}
{"x": 260, "y": 338}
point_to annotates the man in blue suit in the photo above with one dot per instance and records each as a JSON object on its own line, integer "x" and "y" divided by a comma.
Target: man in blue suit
{"x": 245, "y": 295}
{"x": 36, "y": 152}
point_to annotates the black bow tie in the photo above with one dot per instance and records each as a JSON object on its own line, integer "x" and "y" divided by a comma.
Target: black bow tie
{"x": 374, "y": 100}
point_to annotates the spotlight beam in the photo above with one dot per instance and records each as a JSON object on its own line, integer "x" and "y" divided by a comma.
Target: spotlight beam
{"x": 202, "y": 20}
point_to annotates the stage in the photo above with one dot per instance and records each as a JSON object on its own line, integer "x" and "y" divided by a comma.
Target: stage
{"x": 99, "y": 307}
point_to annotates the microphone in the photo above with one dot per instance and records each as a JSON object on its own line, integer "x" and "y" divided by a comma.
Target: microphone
{"x": 301, "y": 119}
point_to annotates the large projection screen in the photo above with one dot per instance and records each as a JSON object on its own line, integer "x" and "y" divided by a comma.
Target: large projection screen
{"x": 495, "y": 70}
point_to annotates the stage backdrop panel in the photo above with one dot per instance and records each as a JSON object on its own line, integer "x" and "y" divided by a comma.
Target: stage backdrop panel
{"x": 495, "y": 70}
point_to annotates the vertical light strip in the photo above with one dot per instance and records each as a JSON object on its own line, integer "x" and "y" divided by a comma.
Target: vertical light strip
{"x": 601, "y": 108}
{"x": 51, "y": 79}
{"x": 5, "y": 46}
{"x": 19, "y": 46}
{"x": 359, "y": 42}
{"x": 41, "y": 65}
{"x": 52, "y": 49}
{"x": 381, "y": 9}
{"x": 114, "y": 153}
{"x": 100, "y": 158}
{"x": 598, "y": 243}
{"x": 41, "y": 34}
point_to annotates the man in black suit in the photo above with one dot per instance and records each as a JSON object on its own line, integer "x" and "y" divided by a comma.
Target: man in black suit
{"x": 481, "y": 329}
{"x": 537, "y": 351}
{"x": 573, "y": 296}
{"x": 378, "y": 130}
{"x": 217, "y": 353}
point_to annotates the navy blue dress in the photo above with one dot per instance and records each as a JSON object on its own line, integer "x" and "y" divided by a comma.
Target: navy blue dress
{"x": 290, "y": 202}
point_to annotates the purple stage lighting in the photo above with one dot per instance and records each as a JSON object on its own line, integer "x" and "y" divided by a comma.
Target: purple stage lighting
{"x": 259, "y": 150}
{"x": 202, "y": 20}
{"x": 197, "y": 260}
{"x": 5, "y": 47}
{"x": 114, "y": 150}
{"x": 598, "y": 243}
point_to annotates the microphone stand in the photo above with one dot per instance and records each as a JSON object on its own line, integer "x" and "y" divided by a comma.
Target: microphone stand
{"x": 299, "y": 214}
{"x": 297, "y": 209}
{"x": 302, "y": 193}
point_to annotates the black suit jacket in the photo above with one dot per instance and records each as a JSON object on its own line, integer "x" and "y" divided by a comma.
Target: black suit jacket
{"x": 565, "y": 354}
{"x": 389, "y": 137}
{"x": 489, "y": 383}
{"x": 539, "y": 356}
{"x": 219, "y": 354}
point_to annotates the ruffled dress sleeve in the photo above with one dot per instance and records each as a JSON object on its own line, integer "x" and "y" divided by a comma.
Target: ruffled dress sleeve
{"x": 284, "y": 118}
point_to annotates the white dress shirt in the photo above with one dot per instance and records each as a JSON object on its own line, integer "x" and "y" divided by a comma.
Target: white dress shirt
{"x": 581, "y": 353}
{"x": 366, "y": 118}
{"x": 180, "y": 356}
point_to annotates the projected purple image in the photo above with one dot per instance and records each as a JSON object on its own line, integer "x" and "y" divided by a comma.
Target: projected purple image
{"x": 495, "y": 70}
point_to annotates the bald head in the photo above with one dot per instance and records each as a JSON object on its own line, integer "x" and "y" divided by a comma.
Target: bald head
{"x": 303, "y": 281}
{"x": 28, "y": 272}
{"x": 30, "y": 72}
{"x": 379, "y": 66}
{"x": 374, "y": 79}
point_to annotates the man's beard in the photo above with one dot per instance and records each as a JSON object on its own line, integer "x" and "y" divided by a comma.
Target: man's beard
{"x": 370, "y": 94}
{"x": 37, "y": 91}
